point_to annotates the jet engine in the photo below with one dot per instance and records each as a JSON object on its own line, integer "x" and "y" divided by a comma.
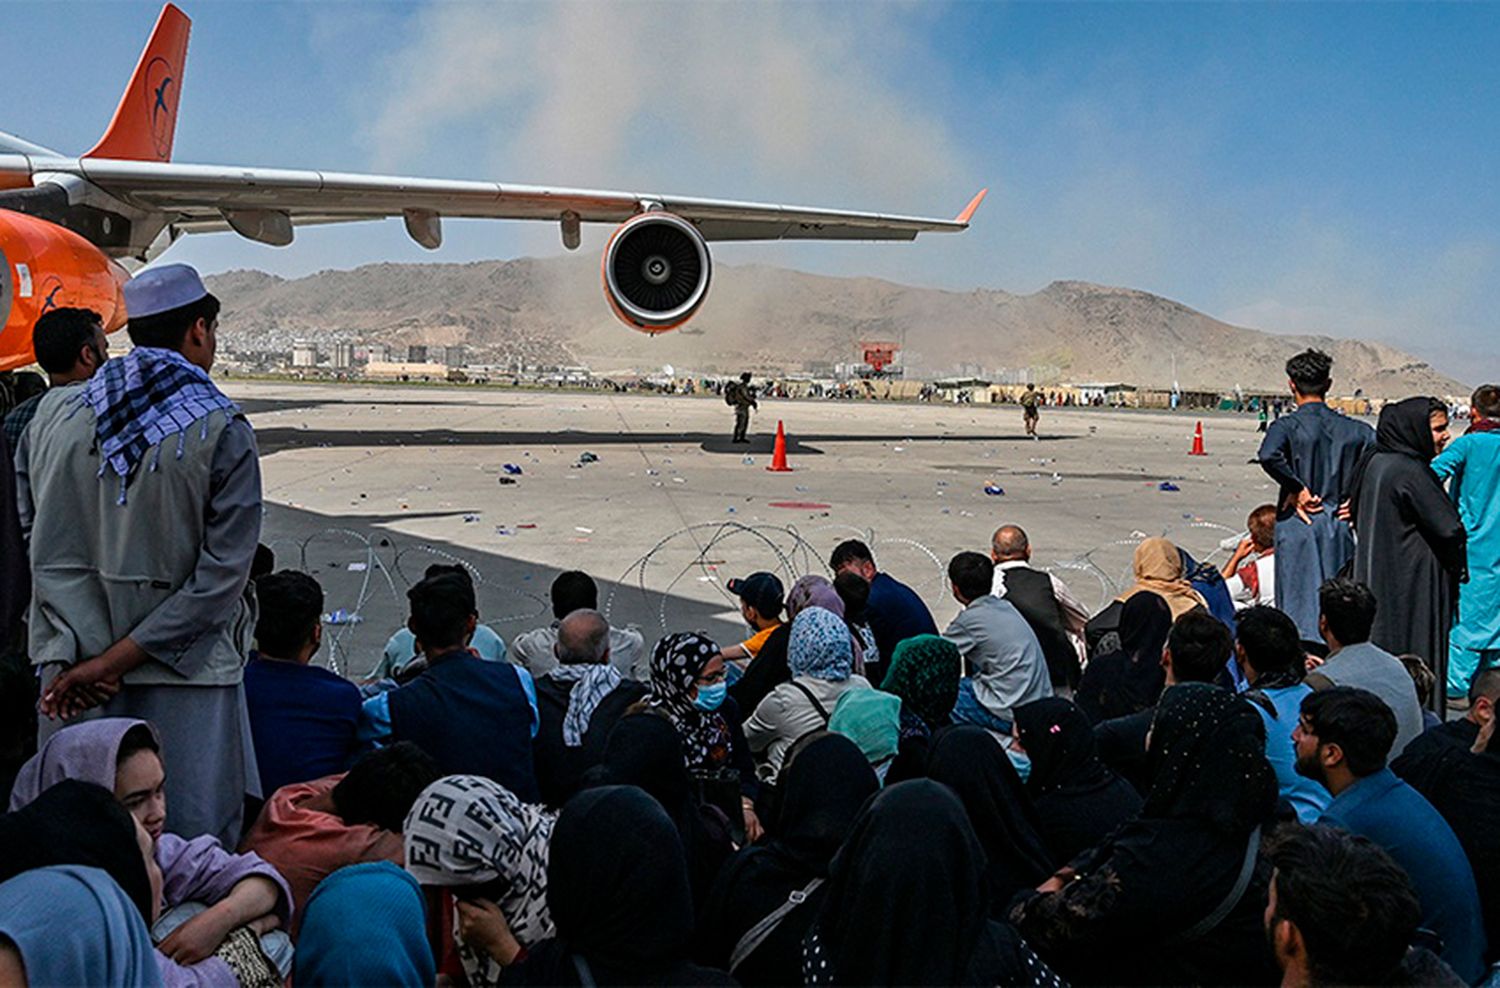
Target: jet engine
{"x": 656, "y": 271}
{"x": 43, "y": 267}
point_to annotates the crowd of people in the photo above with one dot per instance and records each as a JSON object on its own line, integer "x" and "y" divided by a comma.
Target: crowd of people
{"x": 1280, "y": 770}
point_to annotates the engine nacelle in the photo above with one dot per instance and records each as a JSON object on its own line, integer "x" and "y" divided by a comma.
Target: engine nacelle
{"x": 48, "y": 267}
{"x": 656, "y": 271}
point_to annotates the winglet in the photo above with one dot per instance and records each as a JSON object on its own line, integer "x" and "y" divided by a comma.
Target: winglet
{"x": 968, "y": 212}
{"x": 146, "y": 119}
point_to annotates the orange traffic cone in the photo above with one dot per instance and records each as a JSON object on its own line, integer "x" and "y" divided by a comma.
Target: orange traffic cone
{"x": 1197, "y": 449}
{"x": 778, "y": 455}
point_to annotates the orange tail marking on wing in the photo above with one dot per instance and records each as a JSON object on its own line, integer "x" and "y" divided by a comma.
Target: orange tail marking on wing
{"x": 973, "y": 205}
{"x": 146, "y": 119}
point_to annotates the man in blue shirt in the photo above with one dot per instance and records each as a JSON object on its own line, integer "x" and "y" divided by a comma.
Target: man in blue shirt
{"x": 402, "y": 658}
{"x": 1269, "y": 652}
{"x": 473, "y": 717}
{"x": 303, "y": 719}
{"x": 1342, "y": 738}
{"x": 1312, "y": 455}
{"x": 894, "y": 610}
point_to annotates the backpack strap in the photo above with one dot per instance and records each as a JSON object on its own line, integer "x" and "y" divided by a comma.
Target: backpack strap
{"x": 756, "y": 935}
{"x": 585, "y": 973}
{"x": 822, "y": 710}
{"x": 1206, "y": 925}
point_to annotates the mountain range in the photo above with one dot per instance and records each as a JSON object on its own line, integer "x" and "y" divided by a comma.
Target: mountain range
{"x": 775, "y": 320}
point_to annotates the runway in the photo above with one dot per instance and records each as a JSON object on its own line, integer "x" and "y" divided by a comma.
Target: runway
{"x": 367, "y": 485}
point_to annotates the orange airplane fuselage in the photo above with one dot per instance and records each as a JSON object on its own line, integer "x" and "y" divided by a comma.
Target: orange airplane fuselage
{"x": 48, "y": 267}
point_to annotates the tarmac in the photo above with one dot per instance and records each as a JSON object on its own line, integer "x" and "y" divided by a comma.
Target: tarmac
{"x": 365, "y": 486}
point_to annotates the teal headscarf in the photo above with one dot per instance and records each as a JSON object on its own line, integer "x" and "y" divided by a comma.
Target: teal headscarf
{"x": 924, "y": 673}
{"x": 365, "y": 925}
{"x": 74, "y": 926}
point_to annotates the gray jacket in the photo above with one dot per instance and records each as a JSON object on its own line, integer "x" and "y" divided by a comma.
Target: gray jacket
{"x": 168, "y": 568}
{"x": 1005, "y": 660}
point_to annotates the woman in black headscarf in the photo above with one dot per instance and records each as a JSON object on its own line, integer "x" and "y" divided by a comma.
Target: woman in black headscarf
{"x": 1123, "y": 680}
{"x": 78, "y": 823}
{"x": 617, "y": 887}
{"x": 1077, "y": 798}
{"x": 645, "y": 750}
{"x": 972, "y": 763}
{"x": 1175, "y": 896}
{"x": 825, "y": 784}
{"x": 1412, "y": 549}
{"x": 906, "y": 905}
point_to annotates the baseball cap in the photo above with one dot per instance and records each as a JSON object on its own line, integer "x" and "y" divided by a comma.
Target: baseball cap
{"x": 762, "y": 591}
{"x": 162, "y": 289}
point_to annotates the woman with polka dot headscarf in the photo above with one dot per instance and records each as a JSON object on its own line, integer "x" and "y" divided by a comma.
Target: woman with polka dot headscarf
{"x": 687, "y": 687}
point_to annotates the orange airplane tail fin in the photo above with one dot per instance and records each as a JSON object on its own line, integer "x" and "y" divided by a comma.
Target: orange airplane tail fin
{"x": 146, "y": 119}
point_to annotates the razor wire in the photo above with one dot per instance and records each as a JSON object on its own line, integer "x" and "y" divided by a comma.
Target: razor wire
{"x": 706, "y": 548}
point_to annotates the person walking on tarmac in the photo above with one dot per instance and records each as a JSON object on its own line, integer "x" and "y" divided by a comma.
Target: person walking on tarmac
{"x": 1031, "y": 408}
{"x": 740, "y": 396}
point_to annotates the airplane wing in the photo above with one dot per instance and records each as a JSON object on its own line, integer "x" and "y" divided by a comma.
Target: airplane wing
{"x": 131, "y": 166}
{"x": 264, "y": 203}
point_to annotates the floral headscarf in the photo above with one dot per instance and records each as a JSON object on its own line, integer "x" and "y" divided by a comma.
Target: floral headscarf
{"x": 924, "y": 673}
{"x": 676, "y": 664}
{"x": 816, "y": 591}
{"x": 820, "y": 646}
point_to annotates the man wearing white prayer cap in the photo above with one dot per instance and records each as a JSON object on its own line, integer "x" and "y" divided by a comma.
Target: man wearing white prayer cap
{"x": 140, "y": 498}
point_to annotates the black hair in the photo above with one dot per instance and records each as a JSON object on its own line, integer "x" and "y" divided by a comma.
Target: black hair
{"x": 1356, "y": 720}
{"x": 168, "y": 329}
{"x": 137, "y": 738}
{"x": 1311, "y": 373}
{"x": 849, "y": 551}
{"x": 1486, "y": 683}
{"x": 1200, "y": 645}
{"x": 441, "y": 607}
{"x": 573, "y": 591}
{"x": 1486, "y": 400}
{"x": 452, "y": 569}
{"x": 59, "y": 334}
{"x": 27, "y": 384}
{"x": 1270, "y": 640}
{"x": 854, "y": 591}
{"x": 972, "y": 574}
{"x": 384, "y": 784}
{"x": 1421, "y": 677}
{"x": 1349, "y": 608}
{"x": 1354, "y": 907}
{"x": 264, "y": 562}
{"x": 291, "y": 605}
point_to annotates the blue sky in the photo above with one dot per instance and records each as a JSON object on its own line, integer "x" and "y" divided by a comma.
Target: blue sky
{"x": 1296, "y": 167}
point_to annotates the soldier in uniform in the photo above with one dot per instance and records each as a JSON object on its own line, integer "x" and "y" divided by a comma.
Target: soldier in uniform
{"x": 741, "y": 397}
{"x": 1030, "y": 408}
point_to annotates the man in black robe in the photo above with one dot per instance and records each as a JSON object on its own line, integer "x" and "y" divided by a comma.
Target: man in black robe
{"x": 1311, "y": 454}
{"x": 1412, "y": 548}
{"x": 1457, "y": 767}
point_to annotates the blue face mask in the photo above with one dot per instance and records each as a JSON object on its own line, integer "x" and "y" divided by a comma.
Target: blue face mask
{"x": 710, "y": 697}
{"x": 1021, "y": 761}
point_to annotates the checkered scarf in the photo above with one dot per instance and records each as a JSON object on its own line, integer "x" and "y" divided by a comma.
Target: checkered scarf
{"x": 141, "y": 399}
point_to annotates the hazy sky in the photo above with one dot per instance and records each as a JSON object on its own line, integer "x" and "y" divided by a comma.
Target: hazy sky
{"x": 1297, "y": 167}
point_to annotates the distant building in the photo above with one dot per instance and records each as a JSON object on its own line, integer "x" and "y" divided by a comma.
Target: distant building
{"x": 406, "y": 371}
{"x": 343, "y": 356}
{"x": 378, "y": 353}
{"x": 304, "y": 354}
{"x": 416, "y": 355}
